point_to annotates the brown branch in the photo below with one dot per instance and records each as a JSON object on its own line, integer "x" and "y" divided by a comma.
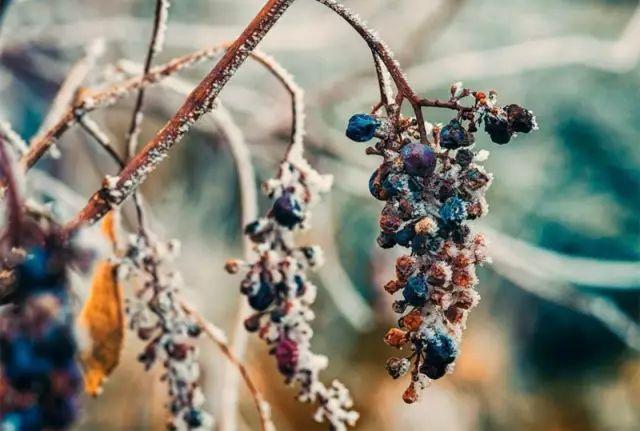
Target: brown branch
{"x": 199, "y": 102}
{"x": 218, "y": 337}
{"x": 155, "y": 46}
{"x": 88, "y": 100}
{"x": 14, "y": 202}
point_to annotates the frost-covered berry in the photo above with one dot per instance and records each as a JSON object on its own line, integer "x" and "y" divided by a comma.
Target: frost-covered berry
{"x": 521, "y": 120}
{"x": 396, "y": 184}
{"x": 397, "y": 367}
{"x": 419, "y": 160}
{"x": 416, "y": 290}
{"x": 286, "y": 353}
{"x": 193, "y": 418}
{"x": 263, "y": 298}
{"x": 375, "y": 186}
{"x": 362, "y": 127}
{"x": 405, "y": 235}
{"x": 497, "y": 128}
{"x": 287, "y": 210}
{"x": 454, "y": 210}
{"x": 386, "y": 240}
{"x": 441, "y": 350}
{"x": 453, "y": 136}
{"x": 464, "y": 157}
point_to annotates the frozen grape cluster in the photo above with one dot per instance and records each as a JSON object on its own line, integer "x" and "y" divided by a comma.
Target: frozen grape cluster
{"x": 156, "y": 316}
{"x": 432, "y": 189}
{"x": 278, "y": 289}
{"x": 39, "y": 376}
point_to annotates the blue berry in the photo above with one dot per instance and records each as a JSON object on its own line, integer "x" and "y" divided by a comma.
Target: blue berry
{"x": 433, "y": 371}
{"x": 263, "y": 298}
{"x": 362, "y": 127}
{"x": 386, "y": 240}
{"x": 396, "y": 184}
{"x": 454, "y": 210}
{"x": 441, "y": 350}
{"x": 287, "y": 210}
{"x": 453, "y": 136}
{"x": 193, "y": 418}
{"x": 419, "y": 160}
{"x": 405, "y": 235}
{"x": 416, "y": 290}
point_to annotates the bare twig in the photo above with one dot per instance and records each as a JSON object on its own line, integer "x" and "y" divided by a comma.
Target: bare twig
{"x": 14, "y": 201}
{"x": 12, "y": 138}
{"x": 218, "y": 337}
{"x": 155, "y": 46}
{"x": 68, "y": 90}
{"x": 199, "y": 102}
{"x": 93, "y": 130}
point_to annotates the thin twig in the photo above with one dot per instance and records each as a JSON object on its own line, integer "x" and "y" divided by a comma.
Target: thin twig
{"x": 93, "y": 130}
{"x": 218, "y": 337}
{"x": 14, "y": 201}
{"x": 199, "y": 102}
{"x": 69, "y": 88}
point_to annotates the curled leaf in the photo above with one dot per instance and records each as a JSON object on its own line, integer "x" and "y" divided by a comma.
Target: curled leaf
{"x": 102, "y": 320}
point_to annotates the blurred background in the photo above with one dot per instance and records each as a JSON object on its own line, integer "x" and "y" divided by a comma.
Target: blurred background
{"x": 554, "y": 343}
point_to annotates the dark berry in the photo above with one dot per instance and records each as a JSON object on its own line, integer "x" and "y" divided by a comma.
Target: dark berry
{"x": 419, "y": 244}
{"x": 441, "y": 350}
{"x": 460, "y": 233}
{"x": 445, "y": 191}
{"x": 464, "y": 157}
{"x": 375, "y": 185}
{"x": 287, "y": 355}
{"x": 405, "y": 235}
{"x": 419, "y": 160}
{"x": 397, "y": 367}
{"x": 263, "y": 298}
{"x": 399, "y": 306}
{"x": 362, "y": 127}
{"x": 454, "y": 210}
{"x": 433, "y": 371}
{"x": 396, "y": 184}
{"x": 252, "y": 323}
{"x": 287, "y": 210}
{"x": 453, "y": 136}
{"x": 389, "y": 223}
{"x": 386, "y": 240}
{"x": 193, "y": 418}
{"x": 520, "y": 120}
{"x": 416, "y": 290}
{"x": 497, "y": 128}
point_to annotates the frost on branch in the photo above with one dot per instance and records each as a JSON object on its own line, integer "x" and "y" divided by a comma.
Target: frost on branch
{"x": 158, "y": 319}
{"x": 431, "y": 190}
{"x": 279, "y": 291}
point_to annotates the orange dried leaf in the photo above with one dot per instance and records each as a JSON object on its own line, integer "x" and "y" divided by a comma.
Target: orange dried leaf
{"x": 109, "y": 227}
{"x": 102, "y": 320}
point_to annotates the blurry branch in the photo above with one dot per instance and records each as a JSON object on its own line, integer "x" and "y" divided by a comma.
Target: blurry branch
{"x": 428, "y": 29}
{"x": 69, "y": 88}
{"x": 93, "y": 130}
{"x": 12, "y": 138}
{"x": 14, "y": 200}
{"x": 90, "y": 100}
{"x": 569, "y": 269}
{"x": 338, "y": 284}
{"x": 216, "y": 335}
{"x": 616, "y": 56}
{"x": 518, "y": 269}
{"x": 155, "y": 46}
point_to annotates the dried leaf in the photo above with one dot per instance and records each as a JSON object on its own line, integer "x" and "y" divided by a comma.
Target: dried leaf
{"x": 108, "y": 227}
{"x": 102, "y": 319}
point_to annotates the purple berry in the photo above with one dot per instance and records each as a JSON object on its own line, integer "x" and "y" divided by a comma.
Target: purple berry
{"x": 453, "y": 136}
{"x": 287, "y": 210}
{"x": 419, "y": 160}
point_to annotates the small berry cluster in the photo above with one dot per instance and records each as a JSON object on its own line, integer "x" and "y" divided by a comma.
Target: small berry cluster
{"x": 431, "y": 190}
{"x": 155, "y": 314}
{"x": 39, "y": 376}
{"x": 279, "y": 291}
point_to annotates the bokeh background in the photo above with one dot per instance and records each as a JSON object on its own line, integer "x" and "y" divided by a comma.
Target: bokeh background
{"x": 554, "y": 343}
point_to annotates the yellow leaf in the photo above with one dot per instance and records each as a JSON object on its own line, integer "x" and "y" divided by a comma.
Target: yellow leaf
{"x": 102, "y": 320}
{"x": 108, "y": 226}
